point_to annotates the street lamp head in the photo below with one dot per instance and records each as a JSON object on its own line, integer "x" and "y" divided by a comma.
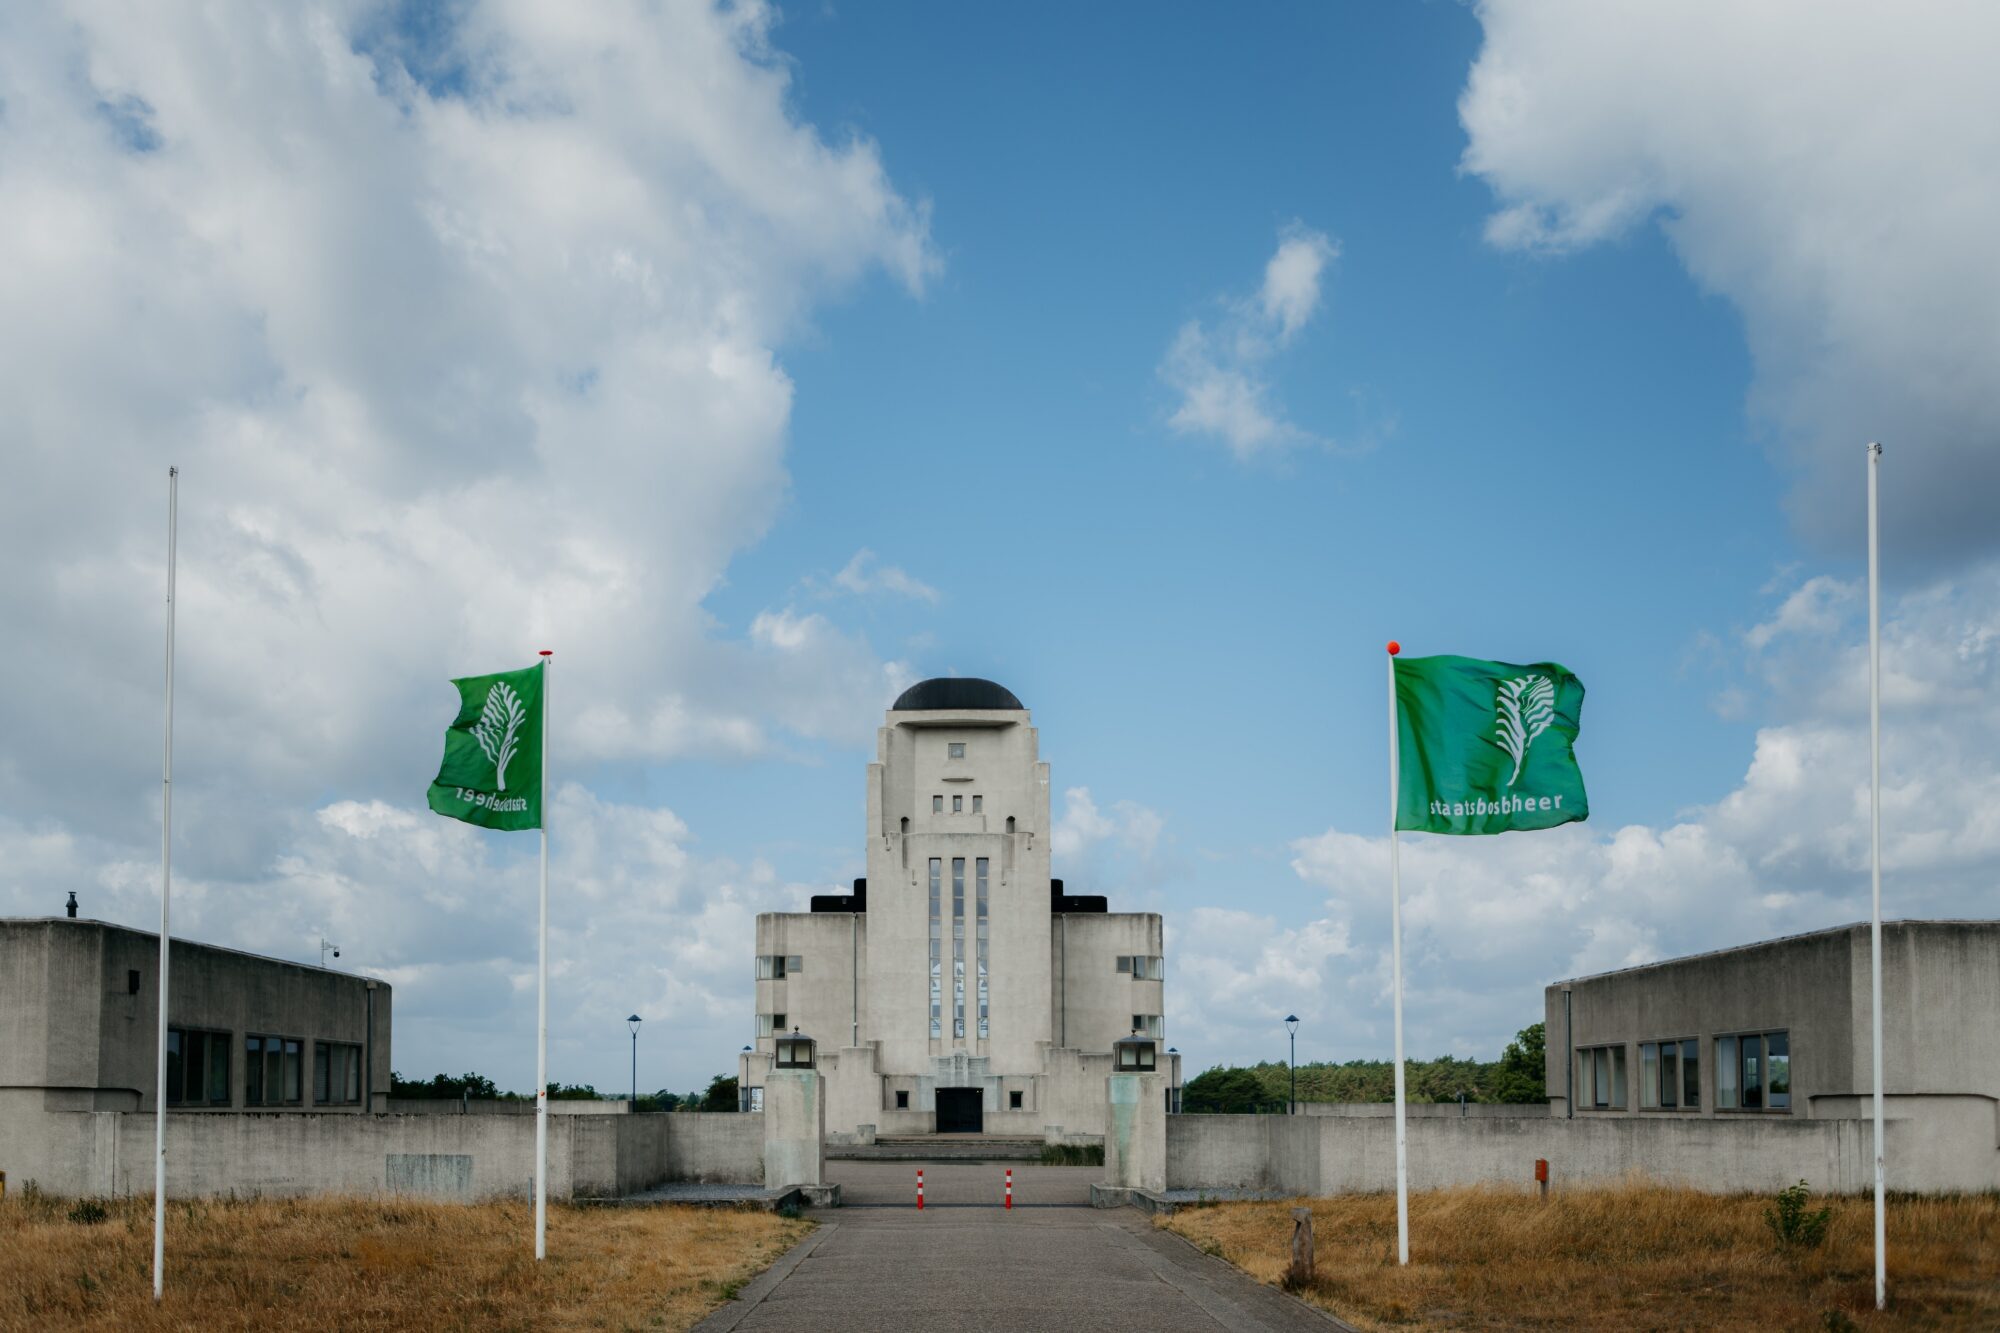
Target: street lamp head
{"x": 633, "y": 1023}
{"x": 1291, "y": 1023}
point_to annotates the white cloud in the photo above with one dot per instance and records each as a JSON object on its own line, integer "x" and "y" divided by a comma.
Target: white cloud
{"x": 1221, "y": 373}
{"x": 1832, "y": 170}
{"x": 1489, "y": 921}
{"x": 466, "y": 344}
{"x": 864, "y": 574}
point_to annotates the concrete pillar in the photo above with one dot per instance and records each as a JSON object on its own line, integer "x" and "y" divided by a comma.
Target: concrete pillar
{"x": 794, "y": 1128}
{"x": 1135, "y": 1131}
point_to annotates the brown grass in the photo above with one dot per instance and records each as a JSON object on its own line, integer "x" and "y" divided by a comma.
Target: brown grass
{"x": 1630, "y": 1257}
{"x": 348, "y": 1263}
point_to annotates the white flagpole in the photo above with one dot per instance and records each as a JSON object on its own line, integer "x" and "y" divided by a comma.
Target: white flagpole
{"x": 542, "y": 1002}
{"x": 166, "y": 884}
{"x": 1875, "y": 835}
{"x": 1396, "y": 967}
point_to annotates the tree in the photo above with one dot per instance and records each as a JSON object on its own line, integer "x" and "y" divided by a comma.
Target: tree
{"x": 1224, "y": 1091}
{"x": 442, "y": 1086}
{"x": 721, "y": 1094}
{"x": 1522, "y": 1075}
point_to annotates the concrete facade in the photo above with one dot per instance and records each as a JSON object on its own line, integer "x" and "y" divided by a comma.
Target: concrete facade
{"x": 79, "y": 1015}
{"x": 1781, "y": 1031}
{"x": 959, "y": 986}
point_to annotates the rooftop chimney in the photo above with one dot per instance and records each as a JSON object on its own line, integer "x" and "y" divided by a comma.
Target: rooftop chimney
{"x": 70, "y": 911}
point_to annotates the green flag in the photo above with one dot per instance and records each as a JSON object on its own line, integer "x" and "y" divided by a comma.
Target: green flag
{"x": 1486, "y": 747}
{"x": 492, "y": 769}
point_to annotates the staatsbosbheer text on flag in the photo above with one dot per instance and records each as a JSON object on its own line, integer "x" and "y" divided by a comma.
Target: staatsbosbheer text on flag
{"x": 1486, "y": 747}
{"x": 492, "y": 769}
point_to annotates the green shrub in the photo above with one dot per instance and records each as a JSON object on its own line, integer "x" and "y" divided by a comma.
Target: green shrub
{"x": 1790, "y": 1221}
{"x": 88, "y": 1213}
{"x": 1072, "y": 1154}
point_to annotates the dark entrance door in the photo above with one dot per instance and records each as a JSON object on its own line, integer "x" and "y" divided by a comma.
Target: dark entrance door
{"x": 959, "y": 1111}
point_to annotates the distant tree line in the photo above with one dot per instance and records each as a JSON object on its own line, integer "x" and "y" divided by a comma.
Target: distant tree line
{"x": 1264, "y": 1088}
{"x": 720, "y": 1096}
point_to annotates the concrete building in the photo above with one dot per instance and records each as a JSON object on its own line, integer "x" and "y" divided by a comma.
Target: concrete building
{"x": 1781, "y": 1030}
{"x": 958, "y": 988}
{"x": 79, "y": 1016}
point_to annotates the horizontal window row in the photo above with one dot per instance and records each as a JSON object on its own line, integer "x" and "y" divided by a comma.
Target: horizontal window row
{"x": 1753, "y": 1072}
{"x": 778, "y": 966}
{"x": 198, "y": 1062}
{"x": 958, "y": 804}
{"x": 1149, "y": 1025}
{"x": 770, "y": 1024}
{"x": 1143, "y": 967}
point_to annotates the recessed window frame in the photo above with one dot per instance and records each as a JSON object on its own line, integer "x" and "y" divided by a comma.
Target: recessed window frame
{"x": 215, "y": 1088}
{"x": 1670, "y": 1074}
{"x": 937, "y": 804}
{"x": 1014, "y": 1100}
{"x": 954, "y": 749}
{"x": 902, "y": 1099}
{"x": 278, "y": 1060}
{"x": 1744, "y": 1081}
{"x": 336, "y": 1061}
{"x": 1601, "y": 1073}
{"x": 957, "y": 803}
{"x": 978, "y": 804}
{"x": 770, "y": 1025}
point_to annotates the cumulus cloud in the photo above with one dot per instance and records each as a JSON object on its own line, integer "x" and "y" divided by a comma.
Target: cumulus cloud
{"x": 1489, "y": 921}
{"x": 465, "y": 339}
{"x": 1220, "y": 370}
{"x": 1833, "y": 171}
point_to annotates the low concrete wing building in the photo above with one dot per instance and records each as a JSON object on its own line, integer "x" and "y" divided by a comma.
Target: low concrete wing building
{"x": 1781, "y": 1030}
{"x": 959, "y": 987}
{"x": 79, "y": 1015}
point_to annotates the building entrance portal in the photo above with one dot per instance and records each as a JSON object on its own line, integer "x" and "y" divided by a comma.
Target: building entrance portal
{"x": 960, "y": 1111}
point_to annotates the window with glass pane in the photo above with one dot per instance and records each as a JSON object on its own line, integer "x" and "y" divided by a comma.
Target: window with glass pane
{"x": 937, "y": 955}
{"x": 1752, "y": 1080}
{"x": 1691, "y": 1074}
{"x": 1778, "y": 1070}
{"x": 1670, "y": 1075}
{"x": 937, "y": 805}
{"x": 1603, "y": 1076}
{"x": 322, "y": 1059}
{"x": 1725, "y": 1074}
{"x": 957, "y": 804}
{"x": 978, "y": 804}
{"x": 174, "y": 1066}
{"x": 956, "y": 749}
{"x": 1649, "y": 1075}
{"x": 294, "y": 1071}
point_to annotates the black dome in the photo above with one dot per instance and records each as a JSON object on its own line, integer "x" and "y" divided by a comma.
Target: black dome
{"x": 954, "y": 694}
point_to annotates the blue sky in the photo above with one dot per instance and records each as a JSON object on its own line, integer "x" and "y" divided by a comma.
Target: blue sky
{"x": 762, "y": 360}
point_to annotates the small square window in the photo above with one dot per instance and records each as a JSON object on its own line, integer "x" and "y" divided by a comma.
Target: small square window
{"x": 937, "y": 805}
{"x": 794, "y": 963}
{"x": 1124, "y": 962}
{"x": 1013, "y": 1101}
{"x": 957, "y": 805}
{"x": 977, "y": 803}
{"x": 902, "y": 1101}
{"x": 956, "y": 749}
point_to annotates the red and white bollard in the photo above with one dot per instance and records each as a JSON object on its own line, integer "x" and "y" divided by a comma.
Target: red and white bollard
{"x": 1010, "y": 1187}
{"x": 920, "y": 1189}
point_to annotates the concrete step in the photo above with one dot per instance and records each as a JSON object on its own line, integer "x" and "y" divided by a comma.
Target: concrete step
{"x": 940, "y": 1148}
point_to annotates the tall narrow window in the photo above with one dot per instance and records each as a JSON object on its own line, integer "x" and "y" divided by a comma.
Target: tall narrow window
{"x": 978, "y": 802}
{"x": 937, "y": 805}
{"x": 937, "y": 942}
{"x": 957, "y": 804}
{"x": 1725, "y": 1074}
{"x": 958, "y": 946}
{"x": 979, "y": 880}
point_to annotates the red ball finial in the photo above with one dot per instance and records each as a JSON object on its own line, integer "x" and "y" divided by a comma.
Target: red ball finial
{"x": 548, "y": 652}
{"x": 1394, "y": 647}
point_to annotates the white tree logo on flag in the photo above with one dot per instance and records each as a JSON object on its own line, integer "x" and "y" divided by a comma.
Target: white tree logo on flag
{"x": 1525, "y": 707}
{"x": 498, "y": 727}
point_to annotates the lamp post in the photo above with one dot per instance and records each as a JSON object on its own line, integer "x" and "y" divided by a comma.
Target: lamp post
{"x": 633, "y": 1023}
{"x": 1292, "y": 1029}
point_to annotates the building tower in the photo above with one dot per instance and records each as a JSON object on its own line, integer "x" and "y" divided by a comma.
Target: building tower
{"x": 958, "y": 988}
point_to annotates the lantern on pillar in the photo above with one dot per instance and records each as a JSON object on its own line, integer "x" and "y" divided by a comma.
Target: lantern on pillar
{"x": 795, "y": 1051}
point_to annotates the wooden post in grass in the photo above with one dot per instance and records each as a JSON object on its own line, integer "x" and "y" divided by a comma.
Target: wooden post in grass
{"x": 1299, "y": 1274}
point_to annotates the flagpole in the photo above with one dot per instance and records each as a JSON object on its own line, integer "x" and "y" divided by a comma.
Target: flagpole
{"x": 1875, "y": 836}
{"x": 542, "y": 1001}
{"x": 1396, "y": 968}
{"x": 166, "y": 886}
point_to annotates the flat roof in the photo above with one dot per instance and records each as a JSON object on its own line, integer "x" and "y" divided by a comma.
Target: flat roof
{"x": 182, "y": 939}
{"x": 1780, "y": 939}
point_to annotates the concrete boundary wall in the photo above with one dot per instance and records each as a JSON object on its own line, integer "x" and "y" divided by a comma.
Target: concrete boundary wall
{"x": 1319, "y": 1155}
{"x": 467, "y": 1156}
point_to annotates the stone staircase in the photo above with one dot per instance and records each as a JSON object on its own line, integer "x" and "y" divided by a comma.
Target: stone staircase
{"x": 940, "y": 1148}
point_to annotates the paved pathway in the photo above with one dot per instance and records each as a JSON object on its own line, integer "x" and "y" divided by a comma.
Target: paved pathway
{"x": 964, "y": 1263}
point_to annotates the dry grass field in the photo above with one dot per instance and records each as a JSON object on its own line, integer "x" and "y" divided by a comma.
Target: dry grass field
{"x": 1631, "y": 1257}
{"x": 374, "y": 1264}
